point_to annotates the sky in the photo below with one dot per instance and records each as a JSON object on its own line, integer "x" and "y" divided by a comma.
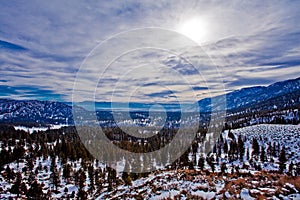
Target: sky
{"x": 145, "y": 51}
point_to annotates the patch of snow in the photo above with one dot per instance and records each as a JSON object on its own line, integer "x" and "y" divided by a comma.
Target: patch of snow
{"x": 245, "y": 195}
{"x": 32, "y": 129}
{"x": 203, "y": 194}
{"x": 166, "y": 194}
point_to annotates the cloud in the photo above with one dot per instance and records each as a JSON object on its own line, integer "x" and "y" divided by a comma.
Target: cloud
{"x": 43, "y": 45}
{"x": 28, "y": 92}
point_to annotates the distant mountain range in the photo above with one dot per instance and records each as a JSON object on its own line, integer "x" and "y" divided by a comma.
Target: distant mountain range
{"x": 279, "y": 95}
{"x": 35, "y": 112}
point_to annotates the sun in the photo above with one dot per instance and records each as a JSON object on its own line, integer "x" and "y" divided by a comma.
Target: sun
{"x": 195, "y": 29}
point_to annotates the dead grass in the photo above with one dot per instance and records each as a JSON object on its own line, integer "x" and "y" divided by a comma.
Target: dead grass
{"x": 290, "y": 179}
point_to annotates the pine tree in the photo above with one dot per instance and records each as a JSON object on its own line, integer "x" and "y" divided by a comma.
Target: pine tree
{"x": 126, "y": 178}
{"x": 241, "y": 147}
{"x": 212, "y": 166}
{"x": 282, "y": 160}
{"x": 31, "y": 177}
{"x": 35, "y": 191}
{"x": 67, "y": 172}
{"x": 29, "y": 163}
{"x": 262, "y": 154}
{"x": 189, "y": 165}
{"x": 76, "y": 177}
{"x": 201, "y": 163}
{"x": 55, "y": 179}
{"x": 248, "y": 154}
{"x": 24, "y": 188}
{"x": 112, "y": 177}
{"x": 16, "y": 187}
{"x": 81, "y": 192}
{"x": 54, "y": 176}
{"x": 211, "y": 163}
{"x": 184, "y": 159}
{"x": 66, "y": 195}
{"x": 53, "y": 164}
{"x": 225, "y": 147}
{"x": 297, "y": 170}
{"x": 255, "y": 147}
{"x": 269, "y": 150}
{"x": 221, "y": 139}
{"x": 10, "y": 175}
{"x": 223, "y": 168}
{"x": 291, "y": 168}
{"x": 98, "y": 181}
{"x": 233, "y": 150}
{"x": 273, "y": 150}
{"x": 91, "y": 177}
{"x": 231, "y": 135}
{"x": 18, "y": 153}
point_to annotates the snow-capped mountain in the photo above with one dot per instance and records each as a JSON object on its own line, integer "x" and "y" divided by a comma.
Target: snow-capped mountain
{"x": 33, "y": 111}
{"x": 280, "y": 94}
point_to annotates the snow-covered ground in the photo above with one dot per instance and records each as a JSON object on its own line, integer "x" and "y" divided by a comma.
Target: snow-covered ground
{"x": 32, "y": 129}
{"x": 182, "y": 183}
{"x": 191, "y": 184}
{"x": 283, "y": 135}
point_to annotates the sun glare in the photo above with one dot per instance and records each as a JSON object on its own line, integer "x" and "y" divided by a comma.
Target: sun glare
{"x": 196, "y": 29}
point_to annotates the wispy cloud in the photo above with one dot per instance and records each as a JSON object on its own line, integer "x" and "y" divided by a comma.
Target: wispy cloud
{"x": 28, "y": 92}
{"x": 43, "y": 44}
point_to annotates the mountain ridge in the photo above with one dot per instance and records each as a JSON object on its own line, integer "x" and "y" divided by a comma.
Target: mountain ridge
{"x": 252, "y": 95}
{"x": 281, "y": 94}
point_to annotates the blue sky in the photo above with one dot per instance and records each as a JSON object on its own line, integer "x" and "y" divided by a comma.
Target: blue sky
{"x": 43, "y": 45}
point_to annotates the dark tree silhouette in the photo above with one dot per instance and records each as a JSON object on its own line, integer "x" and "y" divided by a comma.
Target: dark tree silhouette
{"x": 82, "y": 194}
{"x": 282, "y": 160}
{"x": 35, "y": 191}
{"x": 262, "y": 154}
{"x": 255, "y": 147}
{"x": 201, "y": 163}
{"x": 16, "y": 187}
{"x": 223, "y": 168}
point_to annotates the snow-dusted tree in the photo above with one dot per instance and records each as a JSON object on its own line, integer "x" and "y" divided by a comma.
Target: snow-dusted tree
{"x": 241, "y": 148}
{"x": 248, "y": 154}
{"x": 82, "y": 194}
{"x": 231, "y": 135}
{"x": 55, "y": 179}
{"x": 98, "y": 180}
{"x": 291, "y": 169}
